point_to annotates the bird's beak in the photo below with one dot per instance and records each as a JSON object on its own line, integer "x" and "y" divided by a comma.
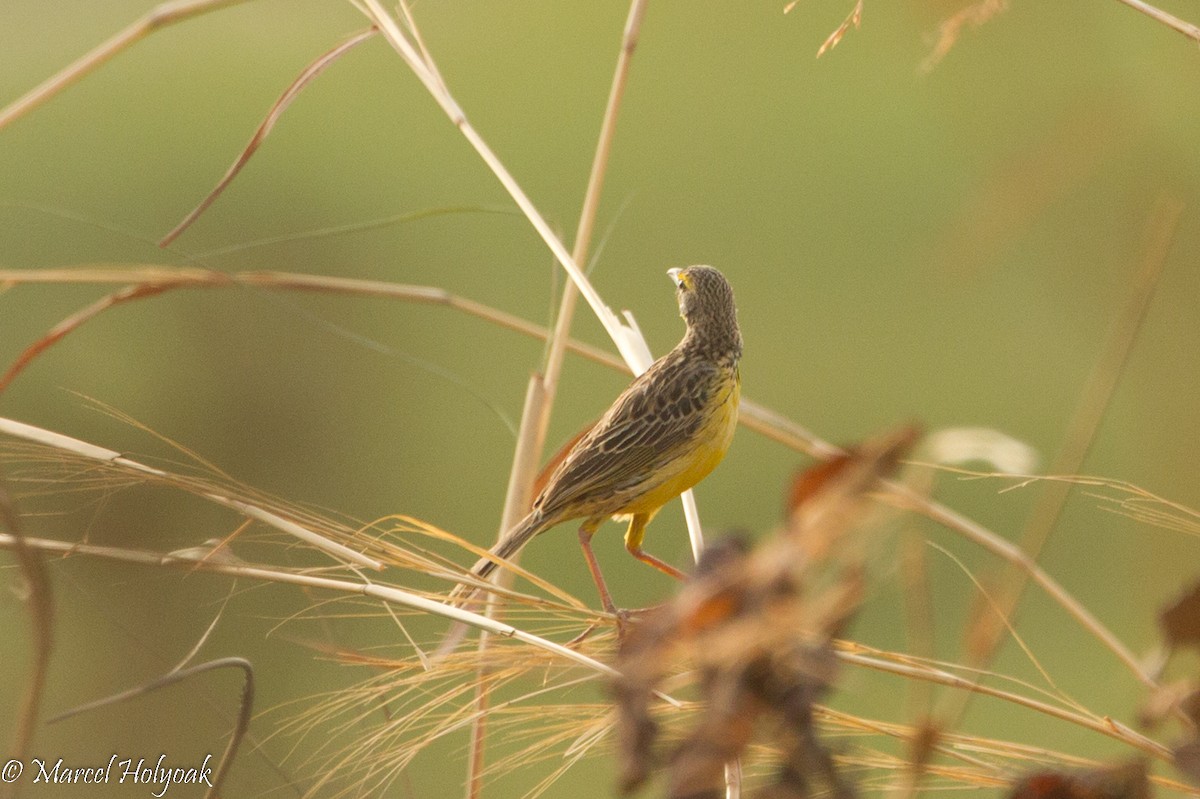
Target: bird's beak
{"x": 674, "y": 275}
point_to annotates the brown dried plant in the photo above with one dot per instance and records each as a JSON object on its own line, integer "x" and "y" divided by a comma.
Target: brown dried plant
{"x": 757, "y": 627}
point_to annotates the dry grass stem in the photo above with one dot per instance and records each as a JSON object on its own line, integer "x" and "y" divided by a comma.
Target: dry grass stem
{"x": 384, "y": 593}
{"x": 158, "y": 17}
{"x": 39, "y": 600}
{"x": 854, "y": 20}
{"x": 241, "y": 725}
{"x": 1103, "y": 725}
{"x": 72, "y": 323}
{"x": 151, "y": 280}
{"x": 346, "y": 229}
{"x": 306, "y": 77}
{"x": 1171, "y": 21}
{"x": 516, "y": 500}
{"x": 1013, "y": 554}
{"x": 338, "y": 551}
{"x": 1122, "y": 497}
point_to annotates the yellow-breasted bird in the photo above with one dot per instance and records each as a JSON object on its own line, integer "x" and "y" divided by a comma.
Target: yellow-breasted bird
{"x": 663, "y": 435}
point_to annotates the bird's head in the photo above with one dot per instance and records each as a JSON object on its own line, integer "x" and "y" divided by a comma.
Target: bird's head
{"x": 706, "y": 304}
{"x": 703, "y": 293}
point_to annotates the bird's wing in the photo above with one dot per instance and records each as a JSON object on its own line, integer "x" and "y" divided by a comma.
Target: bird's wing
{"x": 644, "y": 429}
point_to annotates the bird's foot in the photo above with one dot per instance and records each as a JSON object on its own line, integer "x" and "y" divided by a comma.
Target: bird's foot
{"x": 629, "y": 618}
{"x": 625, "y": 618}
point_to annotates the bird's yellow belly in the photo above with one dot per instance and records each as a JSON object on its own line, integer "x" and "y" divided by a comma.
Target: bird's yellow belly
{"x": 708, "y": 446}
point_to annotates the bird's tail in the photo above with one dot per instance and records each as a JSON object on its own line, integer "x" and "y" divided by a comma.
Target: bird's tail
{"x": 510, "y": 544}
{"x": 507, "y": 547}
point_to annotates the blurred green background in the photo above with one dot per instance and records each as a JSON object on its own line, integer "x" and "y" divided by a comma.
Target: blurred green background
{"x": 950, "y": 246}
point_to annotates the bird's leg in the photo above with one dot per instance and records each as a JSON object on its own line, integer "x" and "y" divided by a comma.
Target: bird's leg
{"x": 586, "y": 530}
{"x": 633, "y": 542}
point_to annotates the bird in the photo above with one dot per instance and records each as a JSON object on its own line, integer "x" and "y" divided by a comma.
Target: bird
{"x": 664, "y": 434}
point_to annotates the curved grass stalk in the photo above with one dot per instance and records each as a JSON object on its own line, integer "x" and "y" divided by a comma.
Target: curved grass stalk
{"x": 1105, "y": 726}
{"x": 159, "y": 17}
{"x": 384, "y": 593}
{"x": 310, "y": 73}
{"x": 92, "y": 452}
{"x": 1170, "y": 20}
{"x": 241, "y": 725}
{"x": 40, "y": 604}
{"x": 152, "y": 280}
